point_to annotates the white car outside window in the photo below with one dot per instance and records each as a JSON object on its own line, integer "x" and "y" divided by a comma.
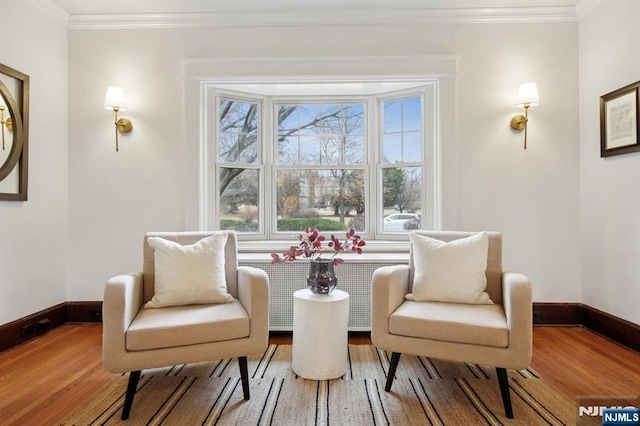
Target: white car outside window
{"x": 396, "y": 222}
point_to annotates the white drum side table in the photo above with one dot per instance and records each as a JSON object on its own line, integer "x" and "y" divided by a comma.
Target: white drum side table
{"x": 320, "y": 336}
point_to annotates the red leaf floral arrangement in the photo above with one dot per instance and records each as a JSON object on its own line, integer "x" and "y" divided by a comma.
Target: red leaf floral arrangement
{"x": 311, "y": 247}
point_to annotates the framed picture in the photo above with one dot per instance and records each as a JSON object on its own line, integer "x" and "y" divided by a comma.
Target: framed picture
{"x": 619, "y": 121}
{"x": 14, "y": 134}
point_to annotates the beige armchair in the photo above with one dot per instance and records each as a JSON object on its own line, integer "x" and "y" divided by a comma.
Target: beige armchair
{"x": 135, "y": 338}
{"x": 498, "y": 335}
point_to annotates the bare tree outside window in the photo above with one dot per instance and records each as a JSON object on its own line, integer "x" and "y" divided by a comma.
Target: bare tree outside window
{"x": 322, "y": 145}
{"x": 310, "y": 135}
{"x": 238, "y": 146}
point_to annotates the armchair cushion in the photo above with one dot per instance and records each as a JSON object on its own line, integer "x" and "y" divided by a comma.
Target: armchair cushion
{"x": 450, "y": 272}
{"x": 189, "y": 274}
{"x": 187, "y": 325}
{"x": 484, "y": 325}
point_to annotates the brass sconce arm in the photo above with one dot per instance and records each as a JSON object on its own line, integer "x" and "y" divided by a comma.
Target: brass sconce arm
{"x": 519, "y": 122}
{"x": 123, "y": 125}
{"x": 527, "y": 97}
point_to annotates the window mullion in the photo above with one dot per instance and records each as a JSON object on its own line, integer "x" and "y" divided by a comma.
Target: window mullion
{"x": 373, "y": 155}
{"x": 269, "y": 148}
{"x": 210, "y": 184}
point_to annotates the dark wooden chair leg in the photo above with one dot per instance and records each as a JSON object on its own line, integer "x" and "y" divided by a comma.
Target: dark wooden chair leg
{"x": 395, "y": 358}
{"x": 503, "y": 380}
{"x": 134, "y": 377}
{"x": 244, "y": 376}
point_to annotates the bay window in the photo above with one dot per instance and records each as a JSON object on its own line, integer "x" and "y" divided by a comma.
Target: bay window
{"x": 278, "y": 164}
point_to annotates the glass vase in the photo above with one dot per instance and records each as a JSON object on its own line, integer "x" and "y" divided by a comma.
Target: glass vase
{"x": 322, "y": 278}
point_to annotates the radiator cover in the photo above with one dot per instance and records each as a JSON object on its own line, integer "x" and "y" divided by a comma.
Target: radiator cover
{"x": 354, "y": 277}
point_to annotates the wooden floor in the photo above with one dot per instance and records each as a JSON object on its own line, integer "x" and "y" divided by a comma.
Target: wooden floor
{"x": 42, "y": 380}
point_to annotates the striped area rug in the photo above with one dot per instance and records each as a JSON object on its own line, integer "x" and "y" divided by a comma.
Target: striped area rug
{"x": 425, "y": 391}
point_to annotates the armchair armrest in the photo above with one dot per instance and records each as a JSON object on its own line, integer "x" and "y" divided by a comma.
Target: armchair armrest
{"x": 518, "y": 307}
{"x": 122, "y": 301}
{"x": 253, "y": 293}
{"x": 389, "y": 285}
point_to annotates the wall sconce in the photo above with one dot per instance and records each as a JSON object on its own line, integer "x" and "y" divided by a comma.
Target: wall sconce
{"x": 527, "y": 97}
{"x": 115, "y": 100}
{"x": 8, "y": 123}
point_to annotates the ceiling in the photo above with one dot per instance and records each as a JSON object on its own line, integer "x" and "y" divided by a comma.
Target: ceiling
{"x": 173, "y": 13}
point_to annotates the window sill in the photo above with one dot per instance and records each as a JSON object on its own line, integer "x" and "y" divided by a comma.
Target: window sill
{"x": 374, "y": 250}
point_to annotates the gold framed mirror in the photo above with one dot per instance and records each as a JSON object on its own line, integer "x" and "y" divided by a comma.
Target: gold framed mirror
{"x": 14, "y": 134}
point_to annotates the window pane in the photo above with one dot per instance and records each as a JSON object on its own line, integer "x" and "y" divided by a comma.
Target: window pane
{"x": 392, "y": 148}
{"x": 238, "y": 132}
{"x": 308, "y": 115}
{"x": 288, "y": 150}
{"x": 353, "y": 150}
{"x": 332, "y": 151}
{"x": 412, "y": 114}
{"x": 412, "y": 146}
{"x": 392, "y": 117}
{"x": 228, "y": 147}
{"x": 239, "y": 199}
{"x": 342, "y": 149}
{"x": 402, "y": 198}
{"x": 309, "y": 150}
{"x": 287, "y": 119}
{"x": 329, "y": 134}
{"x": 248, "y": 153}
{"x": 328, "y": 200}
{"x": 402, "y": 130}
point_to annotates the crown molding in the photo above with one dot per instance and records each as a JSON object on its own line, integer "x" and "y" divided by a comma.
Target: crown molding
{"x": 585, "y": 6}
{"x": 247, "y": 69}
{"x": 316, "y": 18}
{"x": 53, "y": 10}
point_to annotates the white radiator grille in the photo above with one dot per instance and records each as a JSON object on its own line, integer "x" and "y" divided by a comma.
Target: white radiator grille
{"x": 285, "y": 279}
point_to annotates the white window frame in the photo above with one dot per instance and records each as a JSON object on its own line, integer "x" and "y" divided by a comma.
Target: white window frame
{"x": 266, "y": 149}
{"x": 428, "y": 164}
{"x": 273, "y": 102}
{"x": 211, "y": 211}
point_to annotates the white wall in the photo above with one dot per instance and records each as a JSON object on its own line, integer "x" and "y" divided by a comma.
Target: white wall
{"x": 610, "y": 195}
{"x": 491, "y": 182}
{"x": 33, "y": 234}
{"x": 88, "y": 206}
{"x": 530, "y": 195}
{"x": 115, "y": 197}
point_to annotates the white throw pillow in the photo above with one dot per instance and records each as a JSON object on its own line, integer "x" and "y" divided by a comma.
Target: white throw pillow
{"x": 450, "y": 272}
{"x": 190, "y": 274}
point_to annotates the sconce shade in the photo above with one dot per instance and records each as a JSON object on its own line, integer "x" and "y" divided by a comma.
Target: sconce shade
{"x": 527, "y": 95}
{"x": 115, "y": 99}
